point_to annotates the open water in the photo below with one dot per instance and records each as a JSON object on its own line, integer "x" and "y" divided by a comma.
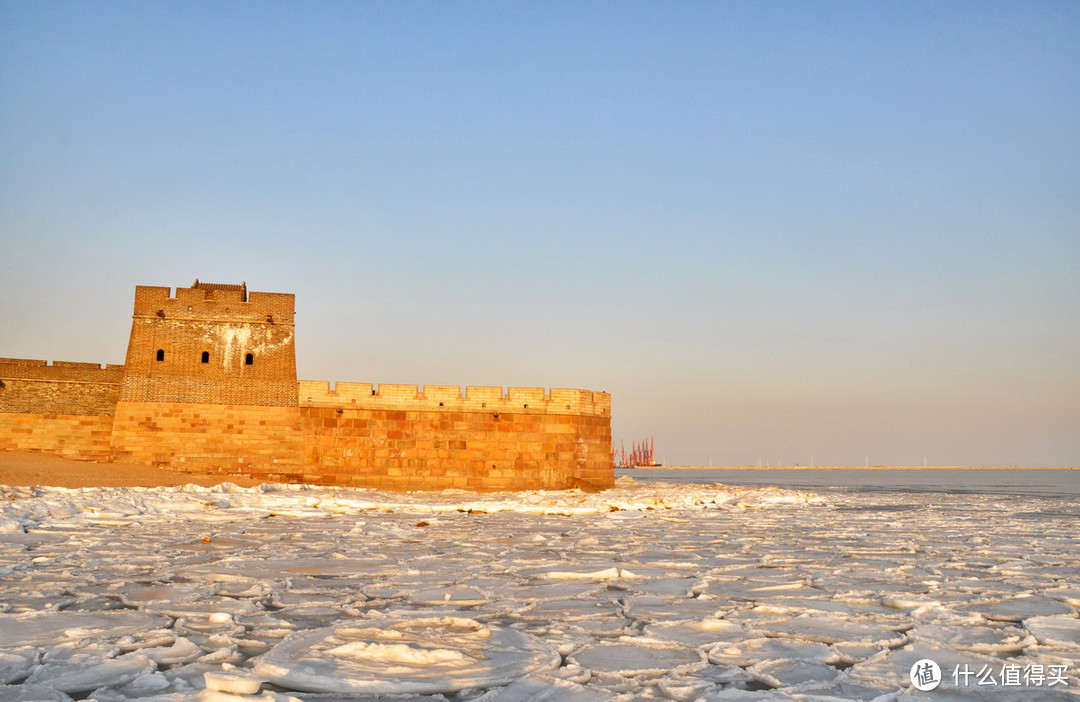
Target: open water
{"x": 1043, "y": 482}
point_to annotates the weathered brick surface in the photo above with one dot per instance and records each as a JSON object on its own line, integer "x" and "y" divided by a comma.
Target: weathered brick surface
{"x": 32, "y": 386}
{"x": 234, "y": 437}
{"x": 170, "y": 335}
{"x": 210, "y": 383}
{"x": 85, "y": 437}
{"x": 433, "y": 450}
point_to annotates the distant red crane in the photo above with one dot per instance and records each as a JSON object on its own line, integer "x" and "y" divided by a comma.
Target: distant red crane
{"x": 642, "y": 454}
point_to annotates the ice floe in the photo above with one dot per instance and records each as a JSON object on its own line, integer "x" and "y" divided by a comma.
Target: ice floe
{"x": 1050, "y": 631}
{"x": 646, "y": 591}
{"x": 85, "y": 669}
{"x": 634, "y": 657}
{"x": 425, "y": 655}
{"x": 747, "y": 652}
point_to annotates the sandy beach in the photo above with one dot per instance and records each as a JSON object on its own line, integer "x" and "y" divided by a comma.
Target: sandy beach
{"x": 19, "y": 468}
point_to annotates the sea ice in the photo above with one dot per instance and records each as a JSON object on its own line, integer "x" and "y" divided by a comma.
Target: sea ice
{"x": 682, "y": 689}
{"x": 832, "y": 630}
{"x": 84, "y": 672}
{"x": 52, "y": 627}
{"x": 548, "y": 591}
{"x": 748, "y": 652}
{"x": 16, "y": 664}
{"x": 845, "y": 689}
{"x": 704, "y": 632}
{"x": 570, "y": 610}
{"x": 425, "y": 655}
{"x": 1000, "y": 639}
{"x": 586, "y": 573}
{"x": 629, "y": 659}
{"x": 907, "y": 601}
{"x": 534, "y": 688}
{"x": 547, "y": 595}
{"x": 233, "y": 681}
{"x": 1054, "y": 630}
{"x": 457, "y": 596}
{"x": 892, "y": 667}
{"x": 786, "y": 673}
{"x": 142, "y": 595}
{"x": 32, "y": 693}
{"x": 1023, "y": 607}
{"x": 651, "y": 608}
{"x": 145, "y": 685}
{"x": 735, "y": 694}
{"x": 1068, "y": 595}
{"x": 684, "y": 587}
{"x": 179, "y": 652}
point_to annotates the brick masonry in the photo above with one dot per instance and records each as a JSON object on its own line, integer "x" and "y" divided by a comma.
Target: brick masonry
{"x": 211, "y": 346}
{"x": 210, "y": 384}
{"x": 87, "y": 437}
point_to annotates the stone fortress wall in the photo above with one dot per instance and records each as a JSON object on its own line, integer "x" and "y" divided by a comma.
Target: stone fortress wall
{"x": 63, "y": 407}
{"x": 214, "y": 345}
{"x": 210, "y": 383}
{"x": 521, "y": 439}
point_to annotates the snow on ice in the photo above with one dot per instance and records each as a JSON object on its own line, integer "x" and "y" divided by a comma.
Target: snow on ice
{"x": 647, "y": 591}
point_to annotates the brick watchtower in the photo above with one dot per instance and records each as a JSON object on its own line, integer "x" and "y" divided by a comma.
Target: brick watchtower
{"x": 211, "y": 344}
{"x": 210, "y": 379}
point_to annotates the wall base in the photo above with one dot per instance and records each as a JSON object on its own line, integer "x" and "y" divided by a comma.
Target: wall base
{"x": 369, "y": 448}
{"x": 435, "y": 450}
{"x": 232, "y": 437}
{"x": 85, "y": 437}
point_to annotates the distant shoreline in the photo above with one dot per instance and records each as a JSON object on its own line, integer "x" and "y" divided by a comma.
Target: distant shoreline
{"x": 845, "y": 468}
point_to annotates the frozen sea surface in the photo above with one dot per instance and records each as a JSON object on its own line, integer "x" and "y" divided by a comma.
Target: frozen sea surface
{"x": 647, "y": 591}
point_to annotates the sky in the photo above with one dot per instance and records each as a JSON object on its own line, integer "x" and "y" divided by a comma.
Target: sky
{"x": 829, "y": 233}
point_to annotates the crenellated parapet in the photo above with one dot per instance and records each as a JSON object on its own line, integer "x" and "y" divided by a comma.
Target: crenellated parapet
{"x": 211, "y": 343}
{"x": 452, "y": 398}
{"x": 215, "y": 303}
{"x": 32, "y": 386}
{"x": 70, "y": 371}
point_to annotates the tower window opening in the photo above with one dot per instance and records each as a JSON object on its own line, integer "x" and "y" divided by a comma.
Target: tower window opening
{"x": 205, "y": 356}
{"x": 249, "y": 360}
{"x": 161, "y": 354}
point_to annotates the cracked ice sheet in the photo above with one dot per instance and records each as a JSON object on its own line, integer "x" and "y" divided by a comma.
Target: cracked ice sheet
{"x": 647, "y": 591}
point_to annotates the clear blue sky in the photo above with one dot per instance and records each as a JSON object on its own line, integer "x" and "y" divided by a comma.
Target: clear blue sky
{"x": 775, "y": 232}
